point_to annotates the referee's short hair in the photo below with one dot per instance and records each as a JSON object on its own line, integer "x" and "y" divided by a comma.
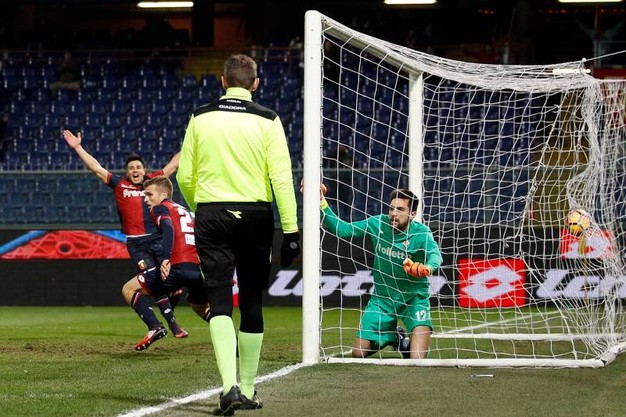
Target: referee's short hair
{"x": 405, "y": 194}
{"x": 240, "y": 71}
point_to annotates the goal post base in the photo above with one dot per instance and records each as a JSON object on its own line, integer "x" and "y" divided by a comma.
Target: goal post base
{"x": 476, "y": 363}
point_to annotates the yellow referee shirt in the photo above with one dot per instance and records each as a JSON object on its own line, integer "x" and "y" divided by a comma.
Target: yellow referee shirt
{"x": 236, "y": 151}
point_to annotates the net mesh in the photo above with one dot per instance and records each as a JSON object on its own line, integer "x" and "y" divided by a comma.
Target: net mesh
{"x": 499, "y": 155}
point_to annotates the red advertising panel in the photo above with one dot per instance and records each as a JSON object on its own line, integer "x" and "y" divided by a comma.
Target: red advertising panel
{"x": 66, "y": 244}
{"x": 596, "y": 245}
{"x": 492, "y": 282}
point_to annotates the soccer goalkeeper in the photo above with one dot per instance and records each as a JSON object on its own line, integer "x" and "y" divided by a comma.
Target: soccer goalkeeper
{"x": 405, "y": 255}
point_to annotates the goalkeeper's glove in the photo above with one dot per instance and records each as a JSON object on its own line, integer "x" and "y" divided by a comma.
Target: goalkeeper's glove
{"x": 323, "y": 202}
{"x": 290, "y": 248}
{"x": 416, "y": 269}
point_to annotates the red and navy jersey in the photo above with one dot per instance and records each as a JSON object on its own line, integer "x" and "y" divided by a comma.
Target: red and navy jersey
{"x": 133, "y": 212}
{"x": 176, "y": 223}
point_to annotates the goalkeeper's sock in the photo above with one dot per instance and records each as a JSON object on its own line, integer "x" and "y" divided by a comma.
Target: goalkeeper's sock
{"x": 225, "y": 346}
{"x": 166, "y": 308}
{"x": 249, "y": 354}
{"x": 139, "y": 303}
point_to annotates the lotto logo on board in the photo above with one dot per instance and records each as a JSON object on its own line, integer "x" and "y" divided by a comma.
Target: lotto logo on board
{"x": 492, "y": 283}
{"x": 596, "y": 246}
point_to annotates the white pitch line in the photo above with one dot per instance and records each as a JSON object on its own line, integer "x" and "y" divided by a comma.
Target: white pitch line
{"x": 203, "y": 395}
{"x": 501, "y": 322}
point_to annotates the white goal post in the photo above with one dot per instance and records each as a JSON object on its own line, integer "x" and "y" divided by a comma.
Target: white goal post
{"x": 498, "y": 155}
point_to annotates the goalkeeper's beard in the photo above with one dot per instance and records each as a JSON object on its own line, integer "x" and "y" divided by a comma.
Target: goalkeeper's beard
{"x": 397, "y": 226}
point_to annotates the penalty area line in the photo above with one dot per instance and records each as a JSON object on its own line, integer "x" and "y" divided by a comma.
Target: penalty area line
{"x": 203, "y": 395}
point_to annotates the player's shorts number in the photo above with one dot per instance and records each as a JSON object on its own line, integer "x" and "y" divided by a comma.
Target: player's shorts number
{"x": 421, "y": 315}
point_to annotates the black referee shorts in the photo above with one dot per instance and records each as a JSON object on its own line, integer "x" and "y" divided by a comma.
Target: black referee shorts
{"x": 235, "y": 236}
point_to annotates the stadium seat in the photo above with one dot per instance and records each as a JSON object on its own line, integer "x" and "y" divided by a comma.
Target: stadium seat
{"x": 60, "y": 159}
{"x": 165, "y": 94}
{"x": 85, "y": 185}
{"x": 190, "y": 81}
{"x": 110, "y": 122}
{"x": 38, "y": 161}
{"x": 19, "y": 198}
{"x": 149, "y": 133}
{"x": 167, "y": 80}
{"x": 118, "y": 107}
{"x": 159, "y": 107}
{"x": 109, "y": 81}
{"x": 123, "y": 95}
{"x": 138, "y": 107}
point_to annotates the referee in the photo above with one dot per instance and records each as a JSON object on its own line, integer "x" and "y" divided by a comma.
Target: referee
{"x": 233, "y": 157}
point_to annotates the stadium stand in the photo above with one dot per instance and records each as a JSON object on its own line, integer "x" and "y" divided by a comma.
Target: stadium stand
{"x": 122, "y": 107}
{"x": 143, "y": 106}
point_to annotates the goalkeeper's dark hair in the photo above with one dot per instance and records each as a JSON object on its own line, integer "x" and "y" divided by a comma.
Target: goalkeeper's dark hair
{"x": 405, "y": 194}
{"x": 240, "y": 71}
{"x": 162, "y": 182}
{"x": 134, "y": 157}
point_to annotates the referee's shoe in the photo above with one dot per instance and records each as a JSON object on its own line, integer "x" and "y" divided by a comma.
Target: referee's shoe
{"x": 253, "y": 403}
{"x": 229, "y": 402}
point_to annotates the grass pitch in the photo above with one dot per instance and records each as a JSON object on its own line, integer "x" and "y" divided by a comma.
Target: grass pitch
{"x": 79, "y": 361}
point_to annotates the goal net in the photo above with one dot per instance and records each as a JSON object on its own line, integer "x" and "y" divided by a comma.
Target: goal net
{"x": 498, "y": 155}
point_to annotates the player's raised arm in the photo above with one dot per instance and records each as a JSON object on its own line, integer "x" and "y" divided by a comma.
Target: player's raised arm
{"x": 172, "y": 165}
{"x": 75, "y": 142}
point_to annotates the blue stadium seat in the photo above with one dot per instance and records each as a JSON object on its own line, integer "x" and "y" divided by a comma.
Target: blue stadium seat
{"x": 206, "y": 95}
{"x": 166, "y": 94}
{"x": 123, "y": 95}
{"x": 185, "y": 95}
{"x": 138, "y": 107}
{"x": 109, "y": 81}
{"x": 169, "y": 146}
{"x": 18, "y": 198}
{"x": 111, "y": 122}
{"x": 167, "y": 80}
{"x": 99, "y": 107}
{"x": 53, "y": 120}
{"x": 86, "y": 185}
{"x": 38, "y": 161}
{"x": 113, "y": 109}
{"x": 61, "y": 159}
{"x": 158, "y": 107}
{"x": 189, "y": 81}
{"x": 288, "y": 93}
{"x": 79, "y": 213}
{"x": 149, "y": 133}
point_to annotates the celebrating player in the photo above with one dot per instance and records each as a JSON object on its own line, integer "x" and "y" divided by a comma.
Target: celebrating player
{"x": 179, "y": 267}
{"x": 143, "y": 242}
{"x": 233, "y": 158}
{"x": 405, "y": 254}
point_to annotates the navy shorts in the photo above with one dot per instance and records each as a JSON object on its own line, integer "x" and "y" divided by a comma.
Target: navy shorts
{"x": 235, "y": 236}
{"x": 145, "y": 248}
{"x": 185, "y": 275}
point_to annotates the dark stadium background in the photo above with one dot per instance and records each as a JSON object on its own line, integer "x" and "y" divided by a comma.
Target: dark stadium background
{"x": 545, "y": 31}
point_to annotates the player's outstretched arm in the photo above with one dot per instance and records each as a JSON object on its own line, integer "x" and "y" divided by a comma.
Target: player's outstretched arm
{"x": 75, "y": 142}
{"x": 172, "y": 165}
